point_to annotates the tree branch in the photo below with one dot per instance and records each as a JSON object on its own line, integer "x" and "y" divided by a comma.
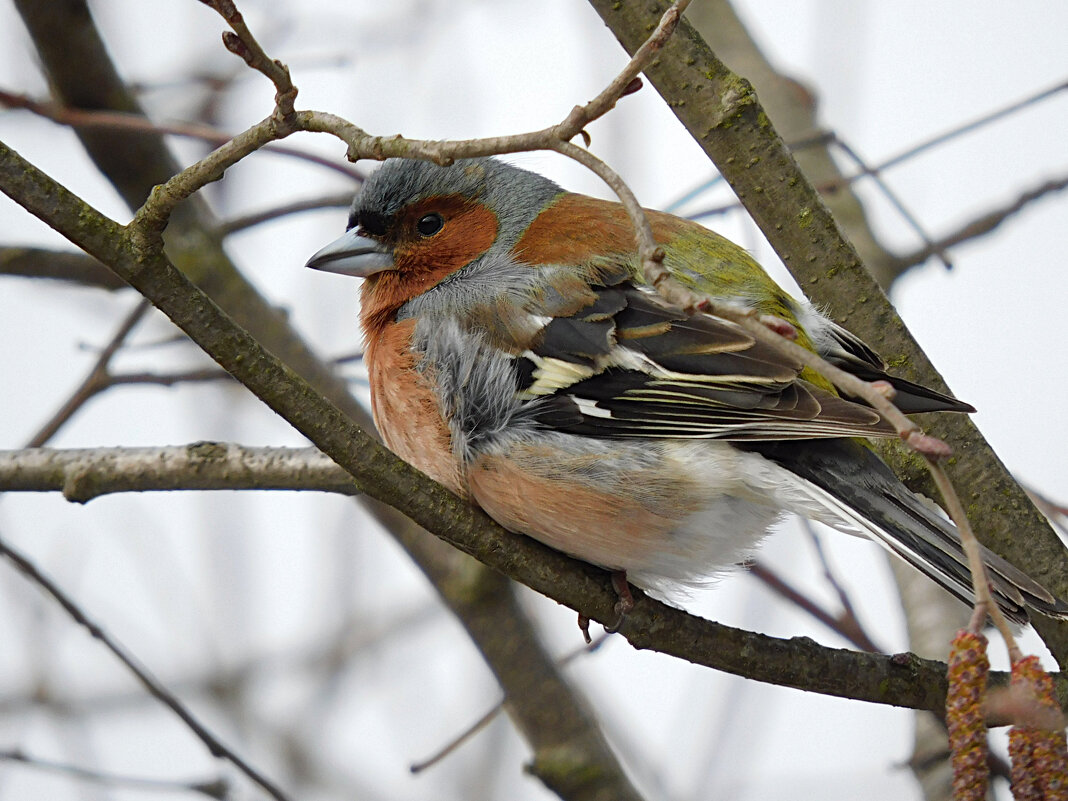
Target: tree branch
{"x": 75, "y": 268}
{"x": 901, "y": 680}
{"x": 722, "y": 113}
{"x": 83, "y": 77}
{"x": 86, "y": 473}
{"x": 980, "y": 226}
{"x": 152, "y": 685}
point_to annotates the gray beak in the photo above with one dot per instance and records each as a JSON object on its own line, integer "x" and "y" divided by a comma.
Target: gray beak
{"x": 353, "y": 254}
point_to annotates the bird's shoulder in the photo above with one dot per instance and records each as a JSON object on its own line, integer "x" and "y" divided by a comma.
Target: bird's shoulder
{"x": 580, "y": 231}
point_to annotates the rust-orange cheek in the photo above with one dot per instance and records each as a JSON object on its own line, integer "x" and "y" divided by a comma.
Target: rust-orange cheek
{"x": 422, "y": 262}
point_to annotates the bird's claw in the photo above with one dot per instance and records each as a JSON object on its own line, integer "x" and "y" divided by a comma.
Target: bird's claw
{"x": 584, "y": 627}
{"x": 624, "y": 603}
{"x": 623, "y": 606}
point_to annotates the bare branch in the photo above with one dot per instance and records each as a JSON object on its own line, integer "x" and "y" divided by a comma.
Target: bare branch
{"x": 492, "y": 713}
{"x": 338, "y": 201}
{"x": 960, "y": 130}
{"x": 152, "y": 216}
{"x": 95, "y": 382}
{"x": 980, "y": 226}
{"x": 891, "y": 196}
{"x": 984, "y": 603}
{"x": 243, "y": 44}
{"x": 212, "y": 788}
{"x": 88, "y": 120}
{"x": 202, "y": 376}
{"x": 845, "y": 625}
{"x": 83, "y": 474}
{"x": 76, "y": 268}
{"x": 156, "y": 689}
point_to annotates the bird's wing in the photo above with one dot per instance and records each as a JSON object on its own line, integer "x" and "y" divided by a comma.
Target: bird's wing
{"x": 628, "y": 365}
{"x": 846, "y": 350}
{"x": 857, "y": 487}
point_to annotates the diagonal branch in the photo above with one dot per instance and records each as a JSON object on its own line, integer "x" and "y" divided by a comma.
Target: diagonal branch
{"x": 795, "y": 663}
{"x": 154, "y": 687}
{"x": 83, "y": 76}
{"x": 978, "y": 227}
{"x": 722, "y": 113}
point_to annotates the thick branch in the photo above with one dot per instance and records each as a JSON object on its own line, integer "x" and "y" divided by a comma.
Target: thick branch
{"x": 86, "y": 473}
{"x": 902, "y": 680}
{"x": 722, "y": 113}
{"x": 84, "y": 77}
{"x": 798, "y": 663}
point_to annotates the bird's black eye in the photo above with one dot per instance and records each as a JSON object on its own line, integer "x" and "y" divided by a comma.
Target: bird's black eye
{"x": 429, "y": 224}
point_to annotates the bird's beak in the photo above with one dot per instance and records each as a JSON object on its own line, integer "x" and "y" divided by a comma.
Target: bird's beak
{"x": 353, "y": 254}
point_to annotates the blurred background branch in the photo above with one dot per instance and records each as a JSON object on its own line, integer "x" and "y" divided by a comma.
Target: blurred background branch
{"x": 355, "y": 596}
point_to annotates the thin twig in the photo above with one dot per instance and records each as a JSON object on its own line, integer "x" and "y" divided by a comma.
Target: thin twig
{"x": 845, "y": 625}
{"x": 849, "y": 614}
{"x": 967, "y": 127}
{"x": 895, "y": 201}
{"x": 623, "y": 84}
{"x": 979, "y": 226}
{"x": 202, "y": 376}
{"x": 453, "y": 744}
{"x": 147, "y": 680}
{"x": 823, "y": 137}
{"x": 980, "y": 583}
{"x": 242, "y": 43}
{"x": 338, "y": 201}
{"x": 95, "y": 382}
{"x": 151, "y": 217}
{"x": 649, "y": 251}
{"x": 934, "y": 141}
{"x": 212, "y": 788}
{"x": 494, "y": 711}
{"x": 124, "y": 121}
{"x": 1056, "y": 512}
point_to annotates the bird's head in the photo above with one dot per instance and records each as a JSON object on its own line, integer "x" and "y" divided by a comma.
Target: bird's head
{"x": 415, "y": 223}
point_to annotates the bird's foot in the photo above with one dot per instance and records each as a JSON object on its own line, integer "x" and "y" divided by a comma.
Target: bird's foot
{"x": 623, "y": 607}
{"x": 625, "y": 602}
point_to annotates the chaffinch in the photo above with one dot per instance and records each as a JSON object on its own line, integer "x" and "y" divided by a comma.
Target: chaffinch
{"x": 516, "y": 356}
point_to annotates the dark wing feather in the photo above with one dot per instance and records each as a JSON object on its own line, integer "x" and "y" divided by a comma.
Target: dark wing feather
{"x": 628, "y": 365}
{"x": 905, "y": 524}
{"x": 854, "y": 356}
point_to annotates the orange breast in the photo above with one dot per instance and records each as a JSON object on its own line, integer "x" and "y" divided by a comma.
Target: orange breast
{"x": 616, "y": 531}
{"x": 405, "y": 409}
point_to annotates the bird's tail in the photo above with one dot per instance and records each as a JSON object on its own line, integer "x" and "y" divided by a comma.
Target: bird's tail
{"x": 863, "y": 495}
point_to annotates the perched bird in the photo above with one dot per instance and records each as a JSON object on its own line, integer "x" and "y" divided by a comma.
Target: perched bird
{"x": 516, "y": 356}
